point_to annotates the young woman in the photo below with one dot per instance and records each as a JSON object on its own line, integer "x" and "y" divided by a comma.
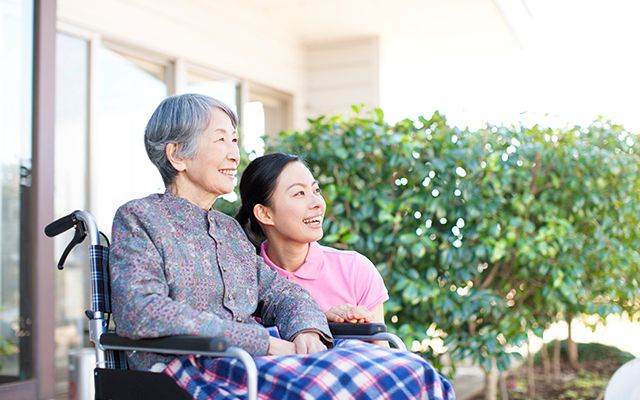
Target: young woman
{"x": 281, "y": 201}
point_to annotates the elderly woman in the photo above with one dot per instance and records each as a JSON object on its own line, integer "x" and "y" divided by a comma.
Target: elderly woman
{"x": 178, "y": 267}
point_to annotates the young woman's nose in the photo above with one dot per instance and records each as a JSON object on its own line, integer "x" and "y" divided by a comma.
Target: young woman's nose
{"x": 318, "y": 202}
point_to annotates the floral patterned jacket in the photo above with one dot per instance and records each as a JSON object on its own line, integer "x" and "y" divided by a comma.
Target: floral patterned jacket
{"x": 176, "y": 269}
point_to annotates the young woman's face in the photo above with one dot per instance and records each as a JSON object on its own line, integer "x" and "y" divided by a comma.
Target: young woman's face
{"x": 297, "y": 207}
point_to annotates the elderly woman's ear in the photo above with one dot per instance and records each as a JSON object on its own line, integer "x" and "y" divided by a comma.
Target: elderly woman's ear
{"x": 177, "y": 161}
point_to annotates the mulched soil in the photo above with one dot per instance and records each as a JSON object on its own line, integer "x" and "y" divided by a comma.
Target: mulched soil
{"x": 588, "y": 382}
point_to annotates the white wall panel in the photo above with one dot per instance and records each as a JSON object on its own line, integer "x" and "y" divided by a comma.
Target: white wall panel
{"x": 341, "y": 74}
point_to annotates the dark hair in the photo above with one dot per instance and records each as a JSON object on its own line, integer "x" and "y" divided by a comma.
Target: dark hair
{"x": 180, "y": 119}
{"x": 258, "y": 182}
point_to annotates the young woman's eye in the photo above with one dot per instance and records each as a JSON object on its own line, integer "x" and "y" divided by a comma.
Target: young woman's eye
{"x": 318, "y": 190}
{"x": 234, "y": 140}
{"x": 300, "y": 193}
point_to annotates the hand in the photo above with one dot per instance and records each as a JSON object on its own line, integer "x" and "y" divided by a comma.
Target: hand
{"x": 279, "y": 347}
{"x": 349, "y": 313}
{"x": 308, "y": 343}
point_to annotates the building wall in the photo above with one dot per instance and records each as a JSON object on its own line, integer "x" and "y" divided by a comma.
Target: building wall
{"x": 241, "y": 42}
{"x": 238, "y": 41}
{"x": 340, "y": 74}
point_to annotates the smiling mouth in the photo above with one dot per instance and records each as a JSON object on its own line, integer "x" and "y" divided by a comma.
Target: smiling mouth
{"x": 228, "y": 172}
{"x": 313, "y": 221}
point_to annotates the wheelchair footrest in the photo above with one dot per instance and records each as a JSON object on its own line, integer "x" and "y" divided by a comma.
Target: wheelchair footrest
{"x": 119, "y": 384}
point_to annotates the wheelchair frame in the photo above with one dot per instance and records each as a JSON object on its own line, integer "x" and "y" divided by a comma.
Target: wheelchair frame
{"x": 107, "y": 372}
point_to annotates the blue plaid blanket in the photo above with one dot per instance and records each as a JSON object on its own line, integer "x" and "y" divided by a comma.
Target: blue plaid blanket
{"x": 351, "y": 370}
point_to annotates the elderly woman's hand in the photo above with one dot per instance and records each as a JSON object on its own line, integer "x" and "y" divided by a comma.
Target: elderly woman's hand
{"x": 304, "y": 343}
{"x": 308, "y": 343}
{"x": 279, "y": 347}
{"x": 349, "y": 313}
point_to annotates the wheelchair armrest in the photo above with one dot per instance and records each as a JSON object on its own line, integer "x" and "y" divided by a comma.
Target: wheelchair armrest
{"x": 340, "y": 329}
{"x": 183, "y": 343}
{"x": 214, "y": 347}
{"x": 367, "y": 332}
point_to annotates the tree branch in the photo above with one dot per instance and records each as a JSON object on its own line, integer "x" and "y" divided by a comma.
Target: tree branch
{"x": 396, "y": 228}
{"x": 535, "y": 172}
{"x": 489, "y": 279}
{"x": 347, "y": 205}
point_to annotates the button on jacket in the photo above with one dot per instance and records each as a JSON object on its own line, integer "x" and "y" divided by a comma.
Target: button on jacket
{"x": 179, "y": 270}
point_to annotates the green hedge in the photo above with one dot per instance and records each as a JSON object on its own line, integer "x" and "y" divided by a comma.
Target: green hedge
{"x": 481, "y": 236}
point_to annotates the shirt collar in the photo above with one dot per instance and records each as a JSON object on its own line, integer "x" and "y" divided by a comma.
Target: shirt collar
{"x": 181, "y": 204}
{"x": 191, "y": 214}
{"x": 311, "y": 267}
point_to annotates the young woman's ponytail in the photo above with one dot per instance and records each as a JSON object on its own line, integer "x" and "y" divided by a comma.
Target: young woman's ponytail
{"x": 244, "y": 219}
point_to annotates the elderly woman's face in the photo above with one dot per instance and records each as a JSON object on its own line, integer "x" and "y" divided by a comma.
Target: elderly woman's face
{"x": 211, "y": 173}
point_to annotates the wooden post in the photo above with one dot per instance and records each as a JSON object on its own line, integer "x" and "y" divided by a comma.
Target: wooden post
{"x": 504, "y": 394}
{"x": 531, "y": 383}
{"x": 546, "y": 364}
{"x": 491, "y": 383}
{"x": 556, "y": 360}
{"x": 572, "y": 347}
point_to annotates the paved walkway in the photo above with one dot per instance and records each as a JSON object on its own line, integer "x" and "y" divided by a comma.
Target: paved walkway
{"x": 468, "y": 382}
{"x": 619, "y": 331}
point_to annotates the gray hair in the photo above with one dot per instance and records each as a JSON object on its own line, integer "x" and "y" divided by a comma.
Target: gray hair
{"x": 182, "y": 120}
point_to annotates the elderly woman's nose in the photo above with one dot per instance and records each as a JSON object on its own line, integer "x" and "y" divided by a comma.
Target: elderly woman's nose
{"x": 233, "y": 153}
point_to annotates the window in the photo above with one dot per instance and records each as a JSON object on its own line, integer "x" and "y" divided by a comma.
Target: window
{"x": 70, "y": 193}
{"x": 267, "y": 113}
{"x": 129, "y": 90}
{"x": 276, "y": 108}
{"x": 254, "y": 129}
{"x": 16, "y": 68}
{"x": 223, "y": 89}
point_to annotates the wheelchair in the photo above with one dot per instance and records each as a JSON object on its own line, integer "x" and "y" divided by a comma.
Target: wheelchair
{"x": 112, "y": 378}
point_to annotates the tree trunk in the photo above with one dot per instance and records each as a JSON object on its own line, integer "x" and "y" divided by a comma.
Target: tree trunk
{"x": 504, "y": 394}
{"x": 556, "y": 360}
{"x": 491, "y": 383}
{"x": 546, "y": 364}
{"x": 531, "y": 383}
{"x": 572, "y": 347}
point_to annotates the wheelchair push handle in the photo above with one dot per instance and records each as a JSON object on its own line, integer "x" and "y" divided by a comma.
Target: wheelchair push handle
{"x": 84, "y": 223}
{"x": 61, "y": 225}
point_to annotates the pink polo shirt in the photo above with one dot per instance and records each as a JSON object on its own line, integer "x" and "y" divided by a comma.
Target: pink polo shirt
{"x": 335, "y": 277}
